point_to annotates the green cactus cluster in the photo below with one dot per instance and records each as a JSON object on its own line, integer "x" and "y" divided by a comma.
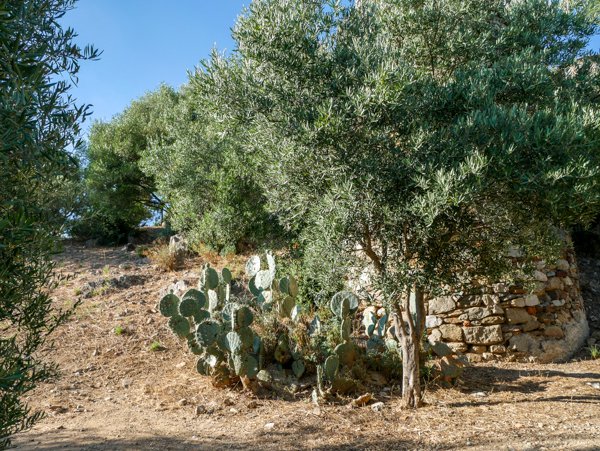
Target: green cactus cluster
{"x": 375, "y": 330}
{"x": 278, "y": 295}
{"x": 219, "y": 329}
{"x": 270, "y": 293}
{"x": 343, "y": 305}
{"x": 221, "y": 337}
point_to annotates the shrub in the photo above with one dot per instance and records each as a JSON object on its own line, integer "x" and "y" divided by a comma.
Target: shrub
{"x": 205, "y": 179}
{"x": 162, "y": 257}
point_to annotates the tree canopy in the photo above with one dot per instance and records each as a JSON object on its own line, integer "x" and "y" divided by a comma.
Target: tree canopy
{"x": 118, "y": 194}
{"x": 423, "y": 136}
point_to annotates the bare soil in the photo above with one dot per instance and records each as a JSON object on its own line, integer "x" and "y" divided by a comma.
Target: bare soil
{"x": 116, "y": 393}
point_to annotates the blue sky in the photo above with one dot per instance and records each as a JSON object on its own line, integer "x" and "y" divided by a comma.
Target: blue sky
{"x": 147, "y": 42}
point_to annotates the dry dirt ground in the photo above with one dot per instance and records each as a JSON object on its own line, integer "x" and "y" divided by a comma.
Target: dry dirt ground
{"x": 115, "y": 393}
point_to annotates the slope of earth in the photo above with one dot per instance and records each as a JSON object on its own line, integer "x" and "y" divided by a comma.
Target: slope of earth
{"x": 116, "y": 393}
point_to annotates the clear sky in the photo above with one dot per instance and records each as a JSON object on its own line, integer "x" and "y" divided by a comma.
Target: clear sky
{"x": 147, "y": 42}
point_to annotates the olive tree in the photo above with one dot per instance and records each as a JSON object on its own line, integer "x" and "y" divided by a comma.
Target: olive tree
{"x": 425, "y": 137}
{"x": 204, "y": 175}
{"x": 119, "y": 194}
{"x": 38, "y": 123}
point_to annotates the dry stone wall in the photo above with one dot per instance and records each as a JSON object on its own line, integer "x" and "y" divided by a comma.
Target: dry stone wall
{"x": 508, "y": 323}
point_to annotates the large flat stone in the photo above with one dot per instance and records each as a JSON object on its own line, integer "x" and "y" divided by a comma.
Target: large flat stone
{"x": 517, "y": 316}
{"x": 451, "y": 332}
{"x": 483, "y": 335}
{"x": 477, "y": 313}
{"x": 432, "y": 321}
{"x": 492, "y": 320}
{"x": 442, "y": 304}
{"x": 532, "y": 300}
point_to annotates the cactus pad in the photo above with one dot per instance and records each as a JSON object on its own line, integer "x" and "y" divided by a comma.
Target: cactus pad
{"x": 331, "y": 366}
{"x": 207, "y": 332}
{"x": 345, "y": 328}
{"x": 189, "y": 306}
{"x": 256, "y": 344}
{"x": 369, "y": 321}
{"x": 179, "y": 325}
{"x": 211, "y": 278}
{"x": 168, "y": 305}
{"x": 226, "y": 275}
{"x": 263, "y": 280}
{"x": 284, "y": 285}
{"x": 253, "y": 288}
{"x": 380, "y": 330}
{"x": 213, "y": 300}
{"x": 293, "y": 287}
{"x": 202, "y": 367}
{"x": 343, "y": 303}
{"x": 228, "y": 311}
{"x": 244, "y": 317}
{"x": 286, "y": 306}
{"x": 233, "y": 342}
{"x": 271, "y": 264}
{"x": 245, "y": 365}
{"x": 265, "y": 297}
{"x": 213, "y": 356}
{"x": 195, "y": 294}
{"x": 295, "y": 313}
{"x": 298, "y": 368}
{"x": 246, "y": 337}
{"x": 253, "y": 266}
{"x": 346, "y": 353}
{"x": 375, "y": 344}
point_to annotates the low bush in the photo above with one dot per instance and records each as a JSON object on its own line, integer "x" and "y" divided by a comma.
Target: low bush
{"x": 162, "y": 257}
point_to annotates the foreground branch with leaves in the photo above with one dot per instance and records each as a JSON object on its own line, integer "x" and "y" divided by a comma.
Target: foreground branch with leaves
{"x": 38, "y": 122}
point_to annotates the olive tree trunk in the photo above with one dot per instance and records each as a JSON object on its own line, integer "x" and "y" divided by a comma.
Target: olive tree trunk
{"x": 408, "y": 324}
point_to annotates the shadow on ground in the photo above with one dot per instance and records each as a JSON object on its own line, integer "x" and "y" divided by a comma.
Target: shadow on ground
{"x": 513, "y": 380}
{"x": 273, "y": 440}
{"x": 283, "y": 440}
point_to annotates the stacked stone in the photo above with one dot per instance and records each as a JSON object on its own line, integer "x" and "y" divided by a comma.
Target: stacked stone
{"x": 509, "y": 323}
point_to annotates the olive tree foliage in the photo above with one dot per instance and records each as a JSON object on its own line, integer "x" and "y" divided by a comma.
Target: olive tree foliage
{"x": 422, "y": 137}
{"x": 205, "y": 178}
{"x": 38, "y": 122}
{"x": 118, "y": 194}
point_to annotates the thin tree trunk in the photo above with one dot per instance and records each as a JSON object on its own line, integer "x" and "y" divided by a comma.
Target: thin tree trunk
{"x": 411, "y": 383}
{"x": 408, "y": 333}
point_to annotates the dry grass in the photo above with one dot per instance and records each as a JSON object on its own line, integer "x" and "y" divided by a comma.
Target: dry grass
{"x": 163, "y": 258}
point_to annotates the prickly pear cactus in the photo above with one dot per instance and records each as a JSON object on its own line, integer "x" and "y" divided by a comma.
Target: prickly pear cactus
{"x": 216, "y": 330}
{"x": 270, "y": 293}
{"x": 344, "y": 304}
{"x": 375, "y": 330}
{"x": 215, "y": 287}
